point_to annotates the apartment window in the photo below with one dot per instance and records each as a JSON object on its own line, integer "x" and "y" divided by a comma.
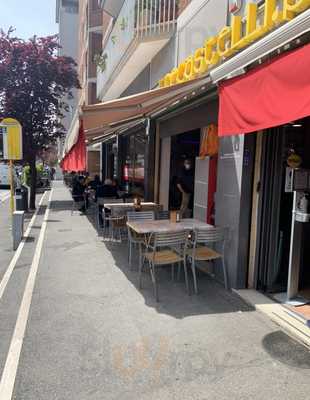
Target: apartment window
{"x": 92, "y": 93}
{"x": 71, "y": 6}
{"x": 133, "y": 156}
{"x": 95, "y": 5}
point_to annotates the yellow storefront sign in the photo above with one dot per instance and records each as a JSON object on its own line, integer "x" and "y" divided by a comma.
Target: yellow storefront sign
{"x": 231, "y": 39}
{"x": 11, "y": 139}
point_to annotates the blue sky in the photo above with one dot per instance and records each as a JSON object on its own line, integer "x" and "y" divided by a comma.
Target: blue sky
{"x": 29, "y": 17}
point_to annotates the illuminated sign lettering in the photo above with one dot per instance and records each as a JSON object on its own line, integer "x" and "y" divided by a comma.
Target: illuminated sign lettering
{"x": 231, "y": 39}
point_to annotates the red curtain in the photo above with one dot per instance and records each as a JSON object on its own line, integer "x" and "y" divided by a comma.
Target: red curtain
{"x": 273, "y": 94}
{"x": 75, "y": 160}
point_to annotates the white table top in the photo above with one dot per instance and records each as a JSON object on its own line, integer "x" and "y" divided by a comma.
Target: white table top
{"x": 162, "y": 226}
{"x": 109, "y": 206}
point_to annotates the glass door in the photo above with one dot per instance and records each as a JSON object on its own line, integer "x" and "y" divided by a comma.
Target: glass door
{"x": 282, "y": 146}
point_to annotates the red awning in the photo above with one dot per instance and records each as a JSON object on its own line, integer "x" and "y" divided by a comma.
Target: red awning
{"x": 75, "y": 160}
{"x": 271, "y": 95}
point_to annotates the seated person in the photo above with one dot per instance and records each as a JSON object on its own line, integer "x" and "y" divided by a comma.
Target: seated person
{"x": 87, "y": 179}
{"x": 78, "y": 191}
{"x": 106, "y": 190}
{"x": 96, "y": 182}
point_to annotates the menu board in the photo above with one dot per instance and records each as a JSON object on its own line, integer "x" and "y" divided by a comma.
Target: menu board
{"x": 297, "y": 180}
{"x": 301, "y": 180}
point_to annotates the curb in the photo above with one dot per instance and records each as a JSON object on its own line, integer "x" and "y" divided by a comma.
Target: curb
{"x": 277, "y": 312}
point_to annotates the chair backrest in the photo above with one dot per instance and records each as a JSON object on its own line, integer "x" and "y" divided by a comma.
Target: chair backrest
{"x": 163, "y": 215}
{"x": 140, "y": 215}
{"x": 119, "y": 211}
{"x": 171, "y": 239}
{"x": 209, "y": 235}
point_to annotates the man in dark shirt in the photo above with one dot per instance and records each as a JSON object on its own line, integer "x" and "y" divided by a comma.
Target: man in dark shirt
{"x": 78, "y": 190}
{"x": 186, "y": 186}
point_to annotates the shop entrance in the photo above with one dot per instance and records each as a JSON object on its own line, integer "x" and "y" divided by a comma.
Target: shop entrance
{"x": 183, "y": 146}
{"x": 284, "y": 146}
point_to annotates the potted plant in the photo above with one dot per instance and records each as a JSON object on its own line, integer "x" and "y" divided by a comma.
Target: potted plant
{"x": 124, "y": 23}
{"x": 101, "y": 61}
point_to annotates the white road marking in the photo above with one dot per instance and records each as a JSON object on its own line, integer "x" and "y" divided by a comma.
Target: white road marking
{"x": 4, "y": 197}
{"x": 9, "y": 271}
{"x": 12, "y": 361}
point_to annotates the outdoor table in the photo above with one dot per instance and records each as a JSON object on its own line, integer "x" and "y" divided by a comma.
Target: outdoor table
{"x": 162, "y": 226}
{"x": 146, "y": 228}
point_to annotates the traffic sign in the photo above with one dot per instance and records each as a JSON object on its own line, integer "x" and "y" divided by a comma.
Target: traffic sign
{"x": 11, "y": 139}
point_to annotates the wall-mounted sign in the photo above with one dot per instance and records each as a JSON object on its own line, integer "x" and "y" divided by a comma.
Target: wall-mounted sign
{"x": 243, "y": 31}
{"x": 235, "y": 6}
{"x": 11, "y": 140}
{"x": 297, "y": 179}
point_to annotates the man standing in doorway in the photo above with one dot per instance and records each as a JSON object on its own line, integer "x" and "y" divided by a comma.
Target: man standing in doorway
{"x": 186, "y": 186}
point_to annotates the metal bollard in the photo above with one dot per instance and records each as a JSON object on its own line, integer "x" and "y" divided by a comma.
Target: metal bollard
{"x": 17, "y": 228}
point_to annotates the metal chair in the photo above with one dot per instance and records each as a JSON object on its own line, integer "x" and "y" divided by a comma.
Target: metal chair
{"x": 117, "y": 224}
{"x": 133, "y": 237}
{"x": 160, "y": 215}
{"x": 101, "y": 201}
{"x": 92, "y": 206}
{"x": 199, "y": 250}
{"x": 163, "y": 249}
{"x": 76, "y": 204}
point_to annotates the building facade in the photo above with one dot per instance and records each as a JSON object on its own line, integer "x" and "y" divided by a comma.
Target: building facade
{"x": 145, "y": 44}
{"x": 139, "y": 49}
{"x": 151, "y": 44}
{"x": 93, "y": 23}
{"x": 67, "y": 19}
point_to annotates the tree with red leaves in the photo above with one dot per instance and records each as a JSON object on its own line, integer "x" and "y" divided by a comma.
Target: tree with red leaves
{"x": 34, "y": 82}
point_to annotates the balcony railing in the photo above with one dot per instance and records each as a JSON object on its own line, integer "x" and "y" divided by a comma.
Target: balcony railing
{"x": 138, "y": 20}
{"x": 154, "y": 16}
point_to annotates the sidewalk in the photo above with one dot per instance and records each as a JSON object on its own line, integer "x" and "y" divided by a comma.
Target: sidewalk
{"x": 92, "y": 334}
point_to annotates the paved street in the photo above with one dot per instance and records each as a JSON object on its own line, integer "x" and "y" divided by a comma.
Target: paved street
{"x": 88, "y": 333}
